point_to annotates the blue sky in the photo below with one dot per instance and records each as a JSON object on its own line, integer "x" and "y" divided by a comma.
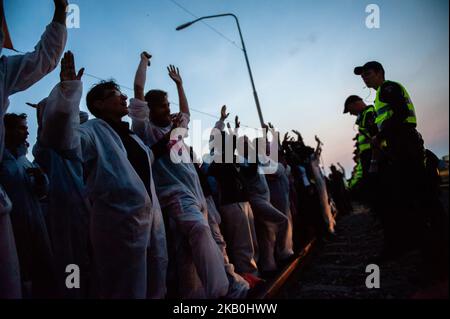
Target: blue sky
{"x": 302, "y": 54}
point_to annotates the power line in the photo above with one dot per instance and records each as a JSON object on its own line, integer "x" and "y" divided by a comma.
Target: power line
{"x": 206, "y": 24}
{"x": 192, "y": 109}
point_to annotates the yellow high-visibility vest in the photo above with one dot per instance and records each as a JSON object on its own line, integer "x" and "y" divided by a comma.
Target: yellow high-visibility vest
{"x": 363, "y": 136}
{"x": 384, "y": 112}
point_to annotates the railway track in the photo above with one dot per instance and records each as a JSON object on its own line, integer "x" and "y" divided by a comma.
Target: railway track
{"x": 336, "y": 269}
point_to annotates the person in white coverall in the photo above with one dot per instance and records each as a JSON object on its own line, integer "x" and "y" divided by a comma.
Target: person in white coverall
{"x": 179, "y": 192}
{"x": 67, "y": 208}
{"x": 279, "y": 189}
{"x": 26, "y": 184}
{"x": 17, "y": 73}
{"x": 321, "y": 186}
{"x": 275, "y": 245}
{"x": 238, "y": 221}
{"x": 126, "y": 227}
{"x": 238, "y": 285}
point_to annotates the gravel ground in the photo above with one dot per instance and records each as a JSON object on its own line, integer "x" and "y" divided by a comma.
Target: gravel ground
{"x": 337, "y": 270}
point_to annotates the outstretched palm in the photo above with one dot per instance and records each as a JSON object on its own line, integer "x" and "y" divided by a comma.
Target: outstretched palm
{"x": 237, "y": 123}
{"x": 68, "y": 72}
{"x": 174, "y": 74}
{"x": 223, "y": 113}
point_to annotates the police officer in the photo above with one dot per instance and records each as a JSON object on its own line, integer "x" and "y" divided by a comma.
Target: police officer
{"x": 367, "y": 129}
{"x": 401, "y": 162}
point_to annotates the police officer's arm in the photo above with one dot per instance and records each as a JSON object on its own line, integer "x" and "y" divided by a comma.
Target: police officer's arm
{"x": 392, "y": 94}
{"x": 371, "y": 127}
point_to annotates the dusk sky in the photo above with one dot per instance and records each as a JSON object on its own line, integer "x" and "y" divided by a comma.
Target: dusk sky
{"x": 302, "y": 54}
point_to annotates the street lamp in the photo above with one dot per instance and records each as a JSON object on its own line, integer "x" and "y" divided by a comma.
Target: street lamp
{"x": 255, "y": 95}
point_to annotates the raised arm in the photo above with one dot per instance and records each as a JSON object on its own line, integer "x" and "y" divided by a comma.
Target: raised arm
{"x": 318, "y": 150}
{"x": 141, "y": 76}
{"x": 59, "y": 15}
{"x": 174, "y": 74}
{"x": 22, "y": 71}
{"x": 60, "y": 117}
{"x": 216, "y": 132}
{"x": 299, "y": 136}
{"x": 342, "y": 168}
{"x": 220, "y": 124}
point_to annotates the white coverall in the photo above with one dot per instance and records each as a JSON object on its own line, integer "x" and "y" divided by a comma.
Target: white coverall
{"x": 67, "y": 209}
{"x": 30, "y": 230}
{"x": 238, "y": 221}
{"x": 279, "y": 197}
{"x": 181, "y": 197}
{"x": 271, "y": 225}
{"x": 126, "y": 227}
{"x": 238, "y": 286}
{"x": 239, "y": 229}
{"x": 10, "y": 286}
{"x": 17, "y": 73}
{"x": 323, "y": 194}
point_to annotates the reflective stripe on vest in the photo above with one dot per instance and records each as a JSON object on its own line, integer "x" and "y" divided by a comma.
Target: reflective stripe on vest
{"x": 363, "y": 142}
{"x": 384, "y": 112}
{"x": 356, "y": 175}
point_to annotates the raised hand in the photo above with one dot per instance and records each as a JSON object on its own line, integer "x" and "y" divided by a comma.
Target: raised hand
{"x": 318, "y": 140}
{"x": 237, "y": 123}
{"x": 230, "y": 130}
{"x": 68, "y": 72}
{"x": 176, "y": 120}
{"x": 145, "y": 56}
{"x": 174, "y": 74}
{"x": 61, "y": 3}
{"x": 60, "y": 11}
{"x": 223, "y": 113}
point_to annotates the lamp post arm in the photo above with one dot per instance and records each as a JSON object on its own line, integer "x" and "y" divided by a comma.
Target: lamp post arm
{"x": 255, "y": 94}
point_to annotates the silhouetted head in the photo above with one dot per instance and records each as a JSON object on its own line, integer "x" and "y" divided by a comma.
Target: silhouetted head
{"x": 105, "y": 101}
{"x": 354, "y": 105}
{"x": 372, "y": 74}
{"x": 159, "y": 106}
{"x": 16, "y": 130}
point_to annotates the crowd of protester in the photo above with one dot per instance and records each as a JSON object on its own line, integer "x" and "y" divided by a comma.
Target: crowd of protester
{"x": 109, "y": 198}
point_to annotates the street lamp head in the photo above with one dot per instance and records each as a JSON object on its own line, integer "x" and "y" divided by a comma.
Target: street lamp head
{"x": 184, "y": 25}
